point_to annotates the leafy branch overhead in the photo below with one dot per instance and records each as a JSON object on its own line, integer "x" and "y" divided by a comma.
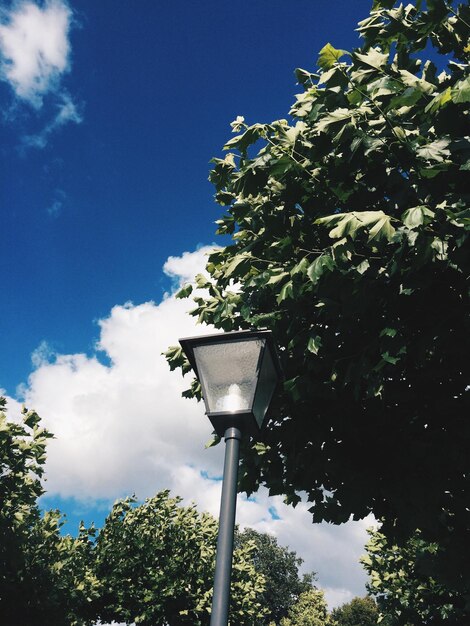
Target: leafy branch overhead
{"x": 350, "y": 226}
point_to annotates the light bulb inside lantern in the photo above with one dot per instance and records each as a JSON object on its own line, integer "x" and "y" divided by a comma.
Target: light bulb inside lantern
{"x": 231, "y": 402}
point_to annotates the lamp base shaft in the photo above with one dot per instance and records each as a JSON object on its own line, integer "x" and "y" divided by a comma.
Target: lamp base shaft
{"x": 223, "y": 566}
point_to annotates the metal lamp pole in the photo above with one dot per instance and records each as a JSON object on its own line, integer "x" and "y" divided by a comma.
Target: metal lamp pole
{"x": 228, "y": 503}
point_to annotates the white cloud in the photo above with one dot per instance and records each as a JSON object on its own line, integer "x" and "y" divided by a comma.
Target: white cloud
{"x": 13, "y": 407}
{"x": 34, "y": 47}
{"x": 34, "y": 56}
{"x": 181, "y": 268}
{"x": 123, "y": 428}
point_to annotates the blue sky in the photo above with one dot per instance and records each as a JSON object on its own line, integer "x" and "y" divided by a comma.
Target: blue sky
{"x": 91, "y": 217}
{"x": 110, "y": 114}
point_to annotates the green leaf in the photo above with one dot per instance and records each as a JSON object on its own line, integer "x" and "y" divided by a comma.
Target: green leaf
{"x": 230, "y": 268}
{"x": 201, "y": 281}
{"x": 31, "y": 419}
{"x": 434, "y": 170}
{"x": 238, "y": 124}
{"x": 466, "y": 166}
{"x": 406, "y": 99}
{"x": 363, "y": 266}
{"x": 417, "y": 83}
{"x": 439, "y": 101}
{"x": 321, "y": 264}
{"x": 440, "y": 247}
{"x": 389, "y": 359}
{"x": 184, "y": 292}
{"x": 213, "y": 441}
{"x": 280, "y": 166}
{"x": 314, "y": 344}
{"x": 350, "y": 223}
{"x": 250, "y": 136}
{"x": 277, "y": 277}
{"x": 329, "y": 56}
{"x": 261, "y": 448}
{"x": 374, "y": 58}
{"x": 461, "y": 91}
{"x": 346, "y": 225}
{"x": 383, "y": 229}
{"x": 174, "y": 356}
{"x": 435, "y": 151}
{"x": 414, "y": 217}
{"x": 301, "y": 267}
{"x": 388, "y": 332}
{"x": 303, "y": 77}
{"x": 286, "y": 292}
{"x": 383, "y": 86}
{"x": 339, "y": 115}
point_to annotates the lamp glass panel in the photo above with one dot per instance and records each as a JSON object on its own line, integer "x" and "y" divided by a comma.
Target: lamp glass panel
{"x": 267, "y": 383}
{"x": 229, "y": 373}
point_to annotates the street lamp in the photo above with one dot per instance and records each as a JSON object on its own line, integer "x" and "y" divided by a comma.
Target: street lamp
{"x": 238, "y": 372}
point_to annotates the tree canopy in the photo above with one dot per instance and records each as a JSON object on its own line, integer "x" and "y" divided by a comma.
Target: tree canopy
{"x": 349, "y": 225}
{"x": 358, "y": 612}
{"x": 309, "y": 610}
{"x": 45, "y": 578}
{"x": 155, "y": 565}
{"x": 280, "y": 568}
{"x": 402, "y": 579}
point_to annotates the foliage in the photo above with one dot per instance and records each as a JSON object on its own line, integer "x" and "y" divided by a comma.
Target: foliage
{"x": 358, "y": 612}
{"x": 309, "y": 610}
{"x": 280, "y": 568}
{"x": 401, "y": 579}
{"x": 22, "y": 454}
{"x": 149, "y": 564}
{"x": 44, "y": 578}
{"x": 155, "y": 565}
{"x": 350, "y": 241}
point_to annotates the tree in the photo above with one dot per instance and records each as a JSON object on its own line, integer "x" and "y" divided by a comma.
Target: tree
{"x": 155, "y": 565}
{"x": 350, "y": 241}
{"x": 45, "y": 578}
{"x": 151, "y": 563}
{"x": 280, "y": 568}
{"x": 310, "y": 610}
{"x": 358, "y": 612}
{"x": 401, "y": 577}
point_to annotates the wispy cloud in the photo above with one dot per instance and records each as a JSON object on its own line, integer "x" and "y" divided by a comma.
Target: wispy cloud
{"x": 34, "y": 56}
{"x": 55, "y": 208}
{"x": 67, "y": 113}
{"x": 42, "y": 355}
{"x": 34, "y": 48}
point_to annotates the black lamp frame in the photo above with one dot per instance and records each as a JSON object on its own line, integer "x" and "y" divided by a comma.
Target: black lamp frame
{"x": 244, "y": 420}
